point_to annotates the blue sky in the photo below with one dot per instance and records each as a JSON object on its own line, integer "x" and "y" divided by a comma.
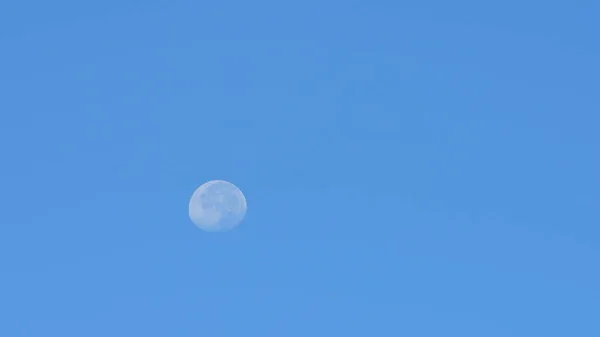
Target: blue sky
{"x": 415, "y": 168}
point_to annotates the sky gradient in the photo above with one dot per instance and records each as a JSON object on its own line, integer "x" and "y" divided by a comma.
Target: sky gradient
{"x": 416, "y": 169}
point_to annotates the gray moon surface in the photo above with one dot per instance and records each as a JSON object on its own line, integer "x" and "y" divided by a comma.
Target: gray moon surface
{"x": 217, "y": 206}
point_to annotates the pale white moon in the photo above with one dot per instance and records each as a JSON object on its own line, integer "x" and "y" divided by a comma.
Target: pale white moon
{"x": 217, "y": 206}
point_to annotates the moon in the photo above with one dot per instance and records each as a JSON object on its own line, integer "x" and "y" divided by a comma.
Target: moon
{"x": 217, "y": 206}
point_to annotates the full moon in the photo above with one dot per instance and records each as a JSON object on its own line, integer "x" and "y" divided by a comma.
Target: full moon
{"x": 217, "y": 206}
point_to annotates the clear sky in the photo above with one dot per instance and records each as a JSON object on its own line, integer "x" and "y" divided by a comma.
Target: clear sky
{"x": 422, "y": 168}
